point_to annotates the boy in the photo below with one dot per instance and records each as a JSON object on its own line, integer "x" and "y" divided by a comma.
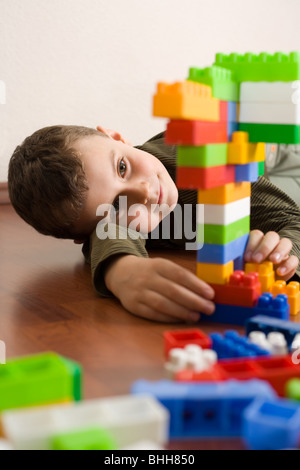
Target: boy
{"x": 60, "y": 175}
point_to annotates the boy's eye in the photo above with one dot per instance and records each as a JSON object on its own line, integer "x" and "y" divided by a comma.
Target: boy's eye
{"x": 122, "y": 167}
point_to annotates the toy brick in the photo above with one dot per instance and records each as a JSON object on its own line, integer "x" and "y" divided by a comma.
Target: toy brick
{"x": 270, "y": 113}
{"x": 241, "y": 151}
{"x": 276, "y": 305}
{"x": 242, "y": 290}
{"x": 292, "y": 290}
{"x": 271, "y": 424}
{"x": 127, "y": 418}
{"x": 261, "y": 67}
{"x": 268, "y": 324}
{"x": 43, "y": 378}
{"x": 191, "y": 357}
{"x": 231, "y": 128}
{"x": 186, "y": 100}
{"x": 272, "y": 133}
{"x": 247, "y": 172}
{"x": 221, "y": 234}
{"x": 222, "y": 254}
{"x": 204, "y": 178}
{"x": 202, "y": 156}
{"x": 84, "y": 439}
{"x": 192, "y": 132}
{"x": 224, "y": 214}
{"x": 180, "y": 338}
{"x": 232, "y": 345}
{"x": 216, "y": 273}
{"x": 209, "y": 409}
{"x": 221, "y": 80}
{"x": 232, "y": 111}
{"x": 268, "y": 92}
{"x": 224, "y": 194}
{"x": 261, "y": 168}
{"x": 266, "y": 273}
{"x": 292, "y": 389}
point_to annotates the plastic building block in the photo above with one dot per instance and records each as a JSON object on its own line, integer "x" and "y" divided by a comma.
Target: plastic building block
{"x": 274, "y": 342}
{"x": 266, "y": 274}
{"x": 267, "y": 324}
{"x": 248, "y": 172}
{"x": 292, "y": 389}
{"x": 295, "y": 346}
{"x": 224, "y": 194}
{"x": 188, "y": 132}
{"x": 84, "y": 439}
{"x": 261, "y": 67}
{"x": 39, "y": 379}
{"x": 232, "y": 111}
{"x": 202, "y": 156}
{"x": 206, "y": 409}
{"x": 181, "y": 338}
{"x": 126, "y": 418}
{"x": 221, "y": 80}
{"x": 272, "y": 133}
{"x": 270, "y": 113}
{"x": 241, "y": 151}
{"x": 216, "y": 273}
{"x": 186, "y": 100}
{"x": 191, "y": 357}
{"x": 204, "y": 178}
{"x": 224, "y": 214}
{"x": 231, "y": 345}
{"x": 232, "y": 127}
{"x": 242, "y": 289}
{"x": 222, "y": 254}
{"x": 261, "y": 168}
{"x": 292, "y": 290}
{"x": 221, "y": 234}
{"x": 276, "y": 307}
{"x": 268, "y": 92}
{"x": 271, "y": 424}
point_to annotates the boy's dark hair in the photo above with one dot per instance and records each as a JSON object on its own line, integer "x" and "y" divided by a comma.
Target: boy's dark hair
{"x": 46, "y": 180}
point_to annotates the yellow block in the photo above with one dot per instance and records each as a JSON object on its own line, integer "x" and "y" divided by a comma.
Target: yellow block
{"x": 215, "y": 273}
{"x": 224, "y": 194}
{"x": 292, "y": 290}
{"x": 240, "y": 151}
{"x": 186, "y": 100}
{"x": 265, "y": 272}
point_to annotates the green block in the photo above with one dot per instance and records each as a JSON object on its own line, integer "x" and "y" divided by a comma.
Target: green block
{"x": 84, "y": 439}
{"x": 261, "y": 67}
{"x": 75, "y": 371}
{"x": 202, "y": 156}
{"x": 292, "y": 389}
{"x": 222, "y": 234}
{"x": 261, "y": 168}
{"x": 221, "y": 80}
{"x": 272, "y": 133}
{"x": 38, "y": 379}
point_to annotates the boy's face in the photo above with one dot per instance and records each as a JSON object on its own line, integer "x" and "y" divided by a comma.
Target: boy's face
{"x": 115, "y": 169}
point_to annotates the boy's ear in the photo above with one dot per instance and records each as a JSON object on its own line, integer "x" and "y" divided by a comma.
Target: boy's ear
{"x": 113, "y": 135}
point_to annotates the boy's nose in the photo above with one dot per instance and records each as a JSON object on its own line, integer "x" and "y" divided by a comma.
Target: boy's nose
{"x": 140, "y": 192}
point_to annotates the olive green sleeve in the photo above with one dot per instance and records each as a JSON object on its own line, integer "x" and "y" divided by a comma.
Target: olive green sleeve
{"x": 104, "y": 244}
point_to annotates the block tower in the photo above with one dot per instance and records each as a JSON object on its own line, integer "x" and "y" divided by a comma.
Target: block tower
{"x": 220, "y": 119}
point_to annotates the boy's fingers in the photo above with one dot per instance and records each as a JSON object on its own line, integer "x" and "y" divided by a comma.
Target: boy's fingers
{"x": 255, "y": 238}
{"x": 159, "y": 305}
{"x": 288, "y": 268}
{"x": 281, "y": 251}
{"x": 265, "y": 247}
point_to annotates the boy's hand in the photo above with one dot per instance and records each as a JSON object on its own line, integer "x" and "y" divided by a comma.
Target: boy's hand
{"x": 270, "y": 247}
{"x": 158, "y": 289}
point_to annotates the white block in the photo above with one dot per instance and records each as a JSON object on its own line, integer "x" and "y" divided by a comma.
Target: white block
{"x": 224, "y": 214}
{"x": 128, "y": 418}
{"x": 270, "y": 92}
{"x": 270, "y": 113}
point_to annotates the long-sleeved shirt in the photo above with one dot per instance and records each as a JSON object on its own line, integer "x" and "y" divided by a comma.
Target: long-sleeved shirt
{"x": 271, "y": 210}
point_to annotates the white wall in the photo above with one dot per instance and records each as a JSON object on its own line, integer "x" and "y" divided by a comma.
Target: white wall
{"x": 92, "y": 62}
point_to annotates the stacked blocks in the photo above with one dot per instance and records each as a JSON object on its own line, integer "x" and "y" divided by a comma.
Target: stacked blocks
{"x": 220, "y": 153}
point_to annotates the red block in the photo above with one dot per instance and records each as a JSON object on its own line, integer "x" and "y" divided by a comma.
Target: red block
{"x": 274, "y": 369}
{"x": 242, "y": 289}
{"x": 180, "y": 338}
{"x": 188, "y": 132}
{"x": 204, "y": 178}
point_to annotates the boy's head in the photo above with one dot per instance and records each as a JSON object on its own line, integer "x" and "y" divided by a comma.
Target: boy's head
{"x": 60, "y": 174}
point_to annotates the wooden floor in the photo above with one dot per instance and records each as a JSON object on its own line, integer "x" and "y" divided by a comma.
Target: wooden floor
{"x": 48, "y": 304}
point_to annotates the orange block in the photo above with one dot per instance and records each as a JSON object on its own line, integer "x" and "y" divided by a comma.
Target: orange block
{"x": 265, "y": 272}
{"x": 224, "y": 194}
{"x": 240, "y": 151}
{"x": 215, "y": 273}
{"x": 186, "y": 100}
{"x": 292, "y": 290}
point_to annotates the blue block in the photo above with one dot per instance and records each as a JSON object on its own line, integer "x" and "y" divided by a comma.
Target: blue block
{"x": 232, "y": 111}
{"x": 267, "y": 324}
{"x": 222, "y": 254}
{"x": 231, "y": 345}
{"x": 239, "y": 264}
{"x": 271, "y": 424}
{"x": 206, "y": 409}
{"x": 231, "y": 128}
{"x": 236, "y": 315}
{"x": 247, "y": 172}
